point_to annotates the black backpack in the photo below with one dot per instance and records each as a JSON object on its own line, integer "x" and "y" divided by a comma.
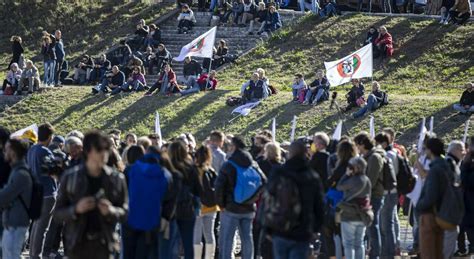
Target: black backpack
{"x": 384, "y": 98}
{"x": 208, "y": 195}
{"x": 36, "y": 203}
{"x": 282, "y": 204}
{"x": 405, "y": 179}
{"x": 389, "y": 178}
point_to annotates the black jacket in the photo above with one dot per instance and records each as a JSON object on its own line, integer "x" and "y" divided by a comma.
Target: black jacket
{"x": 192, "y": 68}
{"x": 355, "y": 93}
{"x": 434, "y": 187}
{"x": 467, "y": 180}
{"x": 74, "y": 185}
{"x": 226, "y": 180}
{"x": 142, "y": 32}
{"x": 467, "y": 98}
{"x": 311, "y": 192}
{"x": 48, "y": 52}
{"x": 319, "y": 163}
{"x": 17, "y": 50}
{"x": 191, "y": 189}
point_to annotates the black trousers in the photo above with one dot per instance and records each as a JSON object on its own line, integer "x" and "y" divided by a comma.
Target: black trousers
{"x": 459, "y": 19}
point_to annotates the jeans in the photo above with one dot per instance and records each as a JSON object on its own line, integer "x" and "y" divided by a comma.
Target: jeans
{"x": 460, "y": 108}
{"x": 49, "y": 72}
{"x": 375, "y": 239}
{"x": 12, "y": 242}
{"x": 139, "y": 244}
{"x": 168, "y": 246}
{"x": 387, "y": 224}
{"x": 57, "y": 70}
{"x": 39, "y": 228}
{"x": 205, "y": 225}
{"x": 284, "y": 248}
{"x": 313, "y": 6}
{"x": 353, "y": 239}
{"x": 463, "y": 232}
{"x": 449, "y": 242}
{"x": 186, "y": 230}
{"x": 371, "y": 105}
{"x": 229, "y": 224}
{"x": 319, "y": 93}
{"x": 295, "y": 92}
{"x": 328, "y": 10}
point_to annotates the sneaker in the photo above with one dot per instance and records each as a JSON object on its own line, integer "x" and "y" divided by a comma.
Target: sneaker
{"x": 442, "y": 21}
{"x": 94, "y": 90}
{"x": 305, "y": 103}
{"x": 445, "y": 22}
{"x": 460, "y": 254}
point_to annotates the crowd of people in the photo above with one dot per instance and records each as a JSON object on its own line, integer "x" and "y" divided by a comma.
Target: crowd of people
{"x": 315, "y": 196}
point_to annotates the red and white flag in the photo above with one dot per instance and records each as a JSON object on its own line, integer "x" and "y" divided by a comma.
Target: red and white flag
{"x": 200, "y": 47}
{"x": 357, "y": 65}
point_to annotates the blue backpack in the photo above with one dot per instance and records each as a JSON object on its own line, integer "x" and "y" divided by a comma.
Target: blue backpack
{"x": 247, "y": 185}
{"x": 147, "y": 185}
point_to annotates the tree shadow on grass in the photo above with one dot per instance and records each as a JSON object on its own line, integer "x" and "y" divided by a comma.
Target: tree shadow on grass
{"x": 197, "y": 105}
{"x": 90, "y": 100}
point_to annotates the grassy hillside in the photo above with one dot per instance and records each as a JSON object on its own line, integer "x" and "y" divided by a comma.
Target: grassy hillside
{"x": 423, "y": 79}
{"x": 88, "y": 26}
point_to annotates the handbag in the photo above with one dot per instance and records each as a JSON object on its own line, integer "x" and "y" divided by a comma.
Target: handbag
{"x": 367, "y": 215}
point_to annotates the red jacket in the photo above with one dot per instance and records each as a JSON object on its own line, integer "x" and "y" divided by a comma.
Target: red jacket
{"x": 171, "y": 77}
{"x": 212, "y": 82}
{"x": 386, "y": 39}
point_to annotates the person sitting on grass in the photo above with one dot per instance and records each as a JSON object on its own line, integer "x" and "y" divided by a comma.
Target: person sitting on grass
{"x": 259, "y": 18}
{"x": 132, "y": 63}
{"x": 142, "y": 32}
{"x": 254, "y": 90}
{"x": 384, "y": 46}
{"x": 298, "y": 86}
{"x": 166, "y": 83}
{"x": 13, "y": 78}
{"x": 374, "y": 101}
{"x": 355, "y": 96}
{"x": 237, "y": 11}
{"x": 250, "y": 9}
{"x": 186, "y": 20}
{"x": 136, "y": 82}
{"x": 112, "y": 80}
{"x": 191, "y": 71}
{"x": 328, "y": 9}
{"x": 372, "y": 35}
{"x": 101, "y": 66}
{"x": 154, "y": 37}
{"x": 204, "y": 83}
{"x": 466, "y": 103}
{"x": 272, "y": 22}
{"x": 29, "y": 77}
{"x": 460, "y": 12}
{"x": 83, "y": 70}
{"x": 318, "y": 90}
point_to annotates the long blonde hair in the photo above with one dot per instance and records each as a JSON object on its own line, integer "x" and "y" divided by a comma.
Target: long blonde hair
{"x": 272, "y": 152}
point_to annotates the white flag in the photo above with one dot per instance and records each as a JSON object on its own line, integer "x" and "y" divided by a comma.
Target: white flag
{"x": 273, "y": 130}
{"x": 293, "y": 129}
{"x": 372, "y": 127}
{"x": 19, "y": 133}
{"x": 431, "y": 124}
{"x": 245, "y": 109}
{"x": 338, "y": 132}
{"x": 357, "y": 65}
{"x": 200, "y": 47}
{"x": 158, "y": 125}
{"x": 421, "y": 138}
{"x": 466, "y": 128}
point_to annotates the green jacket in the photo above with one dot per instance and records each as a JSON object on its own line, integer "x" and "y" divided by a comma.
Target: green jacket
{"x": 374, "y": 159}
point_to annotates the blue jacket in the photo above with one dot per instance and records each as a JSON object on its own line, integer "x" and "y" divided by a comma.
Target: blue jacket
{"x": 273, "y": 21}
{"x": 58, "y": 47}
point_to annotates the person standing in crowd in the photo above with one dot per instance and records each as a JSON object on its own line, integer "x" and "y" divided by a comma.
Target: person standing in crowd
{"x": 374, "y": 158}
{"x": 216, "y": 142}
{"x": 389, "y": 208}
{"x": 235, "y": 215}
{"x": 17, "y": 51}
{"x": 205, "y": 222}
{"x": 92, "y": 199}
{"x": 454, "y": 157}
{"x": 466, "y": 103}
{"x": 38, "y": 156}
{"x": 319, "y": 159}
{"x": 13, "y": 198}
{"x": 187, "y": 205}
{"x": 4, "y": 165}
{"x": 74, "y": 149}
{"x": 294, "y": 242}
{"x": 357, "y": 191}
{"x": 49, "y": 59}
{"x": 431, "y": 234}
{"x": 467, "y": 180}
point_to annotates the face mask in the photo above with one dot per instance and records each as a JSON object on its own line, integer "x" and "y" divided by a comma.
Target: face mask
{"x": 313, "y": 147}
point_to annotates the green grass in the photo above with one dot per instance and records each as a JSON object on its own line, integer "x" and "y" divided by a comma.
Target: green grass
{"x": 88, "y": 26}
{"x": 423, "y": 80}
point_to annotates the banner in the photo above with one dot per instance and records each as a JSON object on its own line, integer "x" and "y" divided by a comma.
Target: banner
{"x": 421, "y": 138}
{"x": 431, "y": 124}
{"x": 274, "y": 130}
{"x": 245, "y": 109}
{"x": 356, "y": 65}
{"x": 200, "y": 47}
{"x": 337, "y": 132}
{"x": 158, "y": 125}
{"x": 30, "y": 132}
{"x": 293, "y": 129}
{"x": 372, "y": 127}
